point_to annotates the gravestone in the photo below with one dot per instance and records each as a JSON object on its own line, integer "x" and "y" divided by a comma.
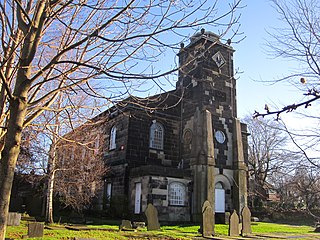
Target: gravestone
{"x": 234, "y": 224}
{"x": 13, "y": 219}
{"x": 207, "y": 220}
{"x": 226, "y": 217}
{"x": 246, "y": 221}
{"x": 152, "y": 218}
{"x": 35, "y": 229}
{"x": 125, "y": 224}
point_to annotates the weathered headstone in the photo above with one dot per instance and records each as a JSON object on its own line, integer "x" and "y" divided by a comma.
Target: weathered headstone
{"x": 234, "y": 224}
{"x": 226, "y": 217}
{"x": 125, "y": 224}
{"x": 35, "y": 229}
{"x": 152, "y": 218}
{"x": 207, "y": 220}
{"x": 13, "y": 219}
{"x": 246, "y": 221}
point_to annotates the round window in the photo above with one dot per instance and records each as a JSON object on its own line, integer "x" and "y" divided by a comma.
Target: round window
{"x": 220, "y": 137}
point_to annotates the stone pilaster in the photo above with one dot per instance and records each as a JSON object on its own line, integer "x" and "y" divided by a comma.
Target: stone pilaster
{"x": 202, "y": 163}
{"x": 240, "y": 171}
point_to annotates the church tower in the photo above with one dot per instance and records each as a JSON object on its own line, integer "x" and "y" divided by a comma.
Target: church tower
{"x": 212, "y": 135}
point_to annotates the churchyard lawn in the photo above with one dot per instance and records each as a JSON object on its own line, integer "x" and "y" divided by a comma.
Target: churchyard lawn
{"x": 260, "y": 229}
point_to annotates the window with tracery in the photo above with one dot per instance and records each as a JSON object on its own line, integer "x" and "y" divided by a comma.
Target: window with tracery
{"x": 156, "y": 135}
{"x": 177, "y": 194}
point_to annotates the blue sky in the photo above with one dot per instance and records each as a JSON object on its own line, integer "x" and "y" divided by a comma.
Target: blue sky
{"x": 258, "y": 17}
{"x": 252, "y": 58}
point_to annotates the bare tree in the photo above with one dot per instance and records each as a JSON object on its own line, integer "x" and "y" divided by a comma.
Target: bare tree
{"x": 267, "y": 156}
{"x": 54, "y": 46}
{"x": 55, "y": 125}
{"x": 306, "y": 184}
{"x": 80, "y": 171}
{"x": 298, "y": 41}
{"x": 38, "y": 158}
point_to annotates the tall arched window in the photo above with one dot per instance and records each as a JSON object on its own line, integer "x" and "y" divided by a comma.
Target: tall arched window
{"x": 156, "y": 135}
{"x": 113, "y": 134}
{"x": 177, "y": 194}
{"x": 220, "y": 205}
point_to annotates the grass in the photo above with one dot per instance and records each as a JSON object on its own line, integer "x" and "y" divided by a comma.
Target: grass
{"x": 183, "y": 232}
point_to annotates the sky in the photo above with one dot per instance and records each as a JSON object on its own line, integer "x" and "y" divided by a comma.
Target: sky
{"x": 253, "y": 59}
{"x": 257, "y": 65}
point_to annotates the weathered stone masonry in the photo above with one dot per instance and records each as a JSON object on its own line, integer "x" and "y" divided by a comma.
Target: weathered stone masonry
{"x": 185, "y": 146}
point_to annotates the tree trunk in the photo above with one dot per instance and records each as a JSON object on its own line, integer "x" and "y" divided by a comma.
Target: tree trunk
{"x": 49, "y": 203}
{"x": 9, "y": 156}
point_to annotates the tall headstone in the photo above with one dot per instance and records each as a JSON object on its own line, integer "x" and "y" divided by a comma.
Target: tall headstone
{"x": 234, "y": 224}
{"x": 246, "y": 221}
{"x": 207, "y": 220}
{"x": 152, "y": 218}
{"x": 35, "y": 230}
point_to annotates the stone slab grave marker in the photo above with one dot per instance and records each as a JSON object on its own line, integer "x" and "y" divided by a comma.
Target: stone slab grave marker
{"x": 207, "y": 220}
{"x": 125, "y": 225}
{"x": 152, "y": 218}
{"x": 35, "y": 229}
{"x": 246, "y": 221}
{"x": 234, "y": 224}
{"x": 13, "y": 219}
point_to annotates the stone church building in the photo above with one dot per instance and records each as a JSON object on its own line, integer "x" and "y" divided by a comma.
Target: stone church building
{"x": 180, "y": 148}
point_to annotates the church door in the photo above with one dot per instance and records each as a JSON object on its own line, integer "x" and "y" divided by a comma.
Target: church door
{"x": 219, "y": 198}
{"x": 137, "y": 205}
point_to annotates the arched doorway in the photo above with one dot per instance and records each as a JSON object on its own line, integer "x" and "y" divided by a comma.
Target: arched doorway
{"x": 220, "y": 198}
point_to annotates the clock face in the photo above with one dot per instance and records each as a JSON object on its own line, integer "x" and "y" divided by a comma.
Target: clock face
{"x": 218, "y": 59}
{"x": 220, "y": 137}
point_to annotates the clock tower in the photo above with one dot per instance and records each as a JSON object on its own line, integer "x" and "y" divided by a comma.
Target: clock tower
{"x": 212, "y": 136}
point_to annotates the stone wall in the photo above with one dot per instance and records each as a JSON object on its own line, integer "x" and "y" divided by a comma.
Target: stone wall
{"x": 118, "y": 155}
{"x": 155, "y": 190}
{"x": 139, "y": 152}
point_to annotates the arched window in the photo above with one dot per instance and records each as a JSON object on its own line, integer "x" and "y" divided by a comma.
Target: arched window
{"x": 108, "y": 193}
{"x": 156, "y": 136}
{"x": 177, "y": 194}
{"x": 113, "y": 134}
{"x": 220, "y": 205}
